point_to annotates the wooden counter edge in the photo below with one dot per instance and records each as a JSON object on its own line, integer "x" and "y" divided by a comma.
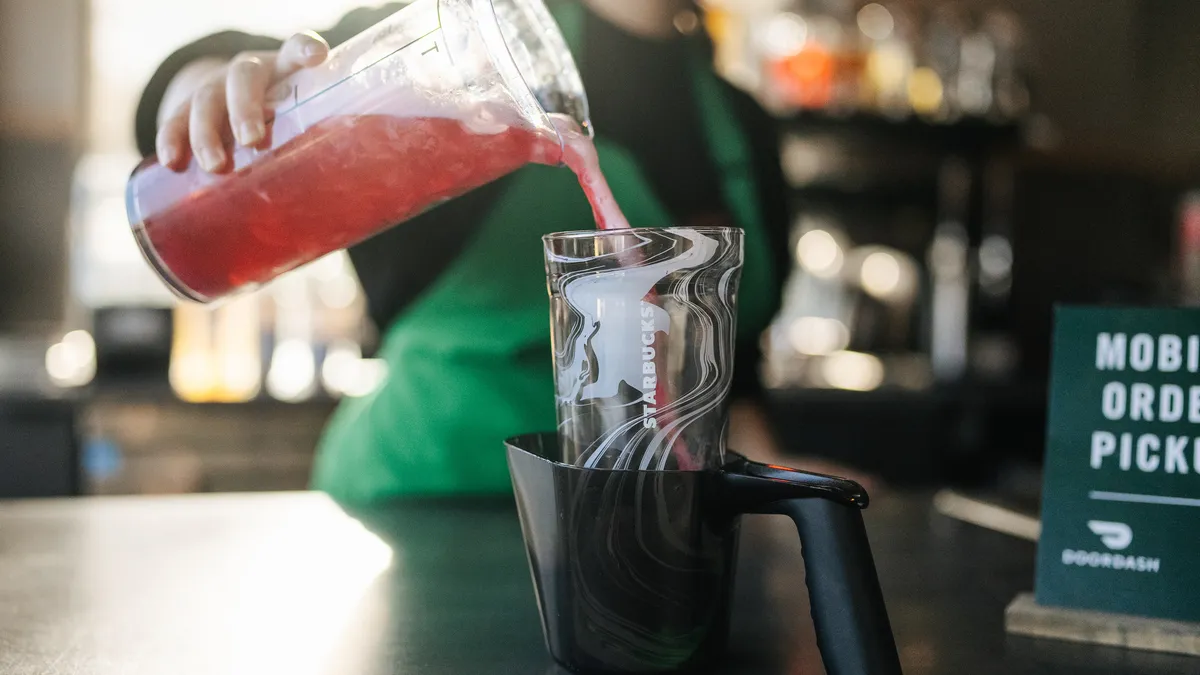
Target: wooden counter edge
{"x": 1025, "y": 617}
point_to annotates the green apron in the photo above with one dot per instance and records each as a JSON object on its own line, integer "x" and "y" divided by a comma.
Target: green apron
{"x": 470, "y": 361}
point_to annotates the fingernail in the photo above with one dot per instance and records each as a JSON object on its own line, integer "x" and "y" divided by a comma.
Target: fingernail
{"x": 211, "y": 159}
{"x": 312, "y": 49}
{"x": 166, "y": 155}
{"x": 250, "y": 133}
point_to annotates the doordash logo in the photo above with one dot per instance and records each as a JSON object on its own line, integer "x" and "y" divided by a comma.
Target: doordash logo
{"x": 1116, "y": 536}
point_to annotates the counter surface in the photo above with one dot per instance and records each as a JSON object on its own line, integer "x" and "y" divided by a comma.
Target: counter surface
{"x": 289, "y": 583}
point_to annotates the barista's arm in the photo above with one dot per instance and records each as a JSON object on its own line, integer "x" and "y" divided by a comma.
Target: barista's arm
{"x": 172, "y": 91}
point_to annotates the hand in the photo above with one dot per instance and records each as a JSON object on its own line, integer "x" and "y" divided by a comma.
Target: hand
{"x": 206, "y": 107}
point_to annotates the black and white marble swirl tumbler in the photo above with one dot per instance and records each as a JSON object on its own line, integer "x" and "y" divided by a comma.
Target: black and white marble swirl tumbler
{"x": 643, "y": 324}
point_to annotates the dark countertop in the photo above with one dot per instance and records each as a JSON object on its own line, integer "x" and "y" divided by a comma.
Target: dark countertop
{"x": 289, "y": 583}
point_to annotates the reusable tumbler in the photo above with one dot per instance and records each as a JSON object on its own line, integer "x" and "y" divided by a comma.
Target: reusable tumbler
{"x": 643, "y": 324}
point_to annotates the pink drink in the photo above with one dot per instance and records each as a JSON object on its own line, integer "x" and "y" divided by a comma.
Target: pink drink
{"x": 334, "y": 185}
{"x": 579, "y": 154}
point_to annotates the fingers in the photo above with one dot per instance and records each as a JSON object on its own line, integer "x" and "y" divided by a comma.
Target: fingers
{"x": 232, "y": 104}
{"x": 251, "y": 74}
{"x": 245, "y": 88}
{"x": 208, "y": 119}
{"x": 171, "y": 144}
{"x": 302, "y": 50}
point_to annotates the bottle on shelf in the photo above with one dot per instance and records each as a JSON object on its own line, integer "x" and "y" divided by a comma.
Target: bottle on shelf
{"x": 1010, "y": 89}
{"x": 890, "y": 61}
{"x": 974, "y": 84}
{"x": 893, "y": 58}
{"x": 949, "y": 262}
{"x": 947, "y": 33}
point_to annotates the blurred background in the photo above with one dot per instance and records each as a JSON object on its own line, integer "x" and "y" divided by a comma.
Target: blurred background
{"x": 955, "y": 168}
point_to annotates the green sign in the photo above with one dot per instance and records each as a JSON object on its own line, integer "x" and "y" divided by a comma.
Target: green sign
{"x": 1121, "y": 500}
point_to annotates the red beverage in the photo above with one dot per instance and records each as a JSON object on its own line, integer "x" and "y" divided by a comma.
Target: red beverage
{"x": 580, "y": 156}
{"x": 338, "y": 183}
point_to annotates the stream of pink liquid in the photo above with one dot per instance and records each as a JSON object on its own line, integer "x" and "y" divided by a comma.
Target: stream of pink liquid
{"x": 581, "y": 157}
{"x": 579, "y": 154}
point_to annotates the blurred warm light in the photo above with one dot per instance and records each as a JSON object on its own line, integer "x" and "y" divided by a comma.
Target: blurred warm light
{"x": 820, "y": 254}
{"x": 803, "y": 160}
{"x": 238, "y": 351}
{"x": 293, "y": 373}
{"x": 290, "y": 292}
{"x": 853, "y": 371}
{"x": 241, "y": 375}
{"x": 812, "y": 71}
{"x": 876, "y": 22}
{"x": 192, "y": 376}
{"x": 193, "y": 373}
{"x": 948, "y": 254}
{"x": 330, "y": 266}
{"x": 976, "y": 71}
{"x": 338, "y": 368}
{"x": 885, "y": 273}
{"x": 216, "y": 354}
{"x": 818, "y": 336}
{"x": 826, "y": 30}
{"x": 925, "y": 91}
{"x": 71, "y": 362}
{"x": 346, "y": 373}
{"x": 717, "y": 23}
{"x": 880, "y": 274}
{"x": 785, "y": 35}
{"x": 950, "y": 301}
{"x": 338, "y": 293}
{"x": 889, "y": 66}
{"x": 686, "y": 22}
{"x": 995, "y": 258}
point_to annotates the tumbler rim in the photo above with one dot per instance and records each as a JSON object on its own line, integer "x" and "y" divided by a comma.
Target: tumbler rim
{"x": 597, "y": 233}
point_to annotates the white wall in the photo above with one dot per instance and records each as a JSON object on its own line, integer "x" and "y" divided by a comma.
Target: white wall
{"x": 130, "y": 38}
{"x": 42, "y": 50}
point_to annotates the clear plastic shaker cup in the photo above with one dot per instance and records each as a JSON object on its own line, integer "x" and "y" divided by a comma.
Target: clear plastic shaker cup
{"x": 438, "y": 99}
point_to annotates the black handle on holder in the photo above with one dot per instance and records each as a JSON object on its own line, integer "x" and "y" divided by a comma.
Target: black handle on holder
{"x": 853, "y": 631}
